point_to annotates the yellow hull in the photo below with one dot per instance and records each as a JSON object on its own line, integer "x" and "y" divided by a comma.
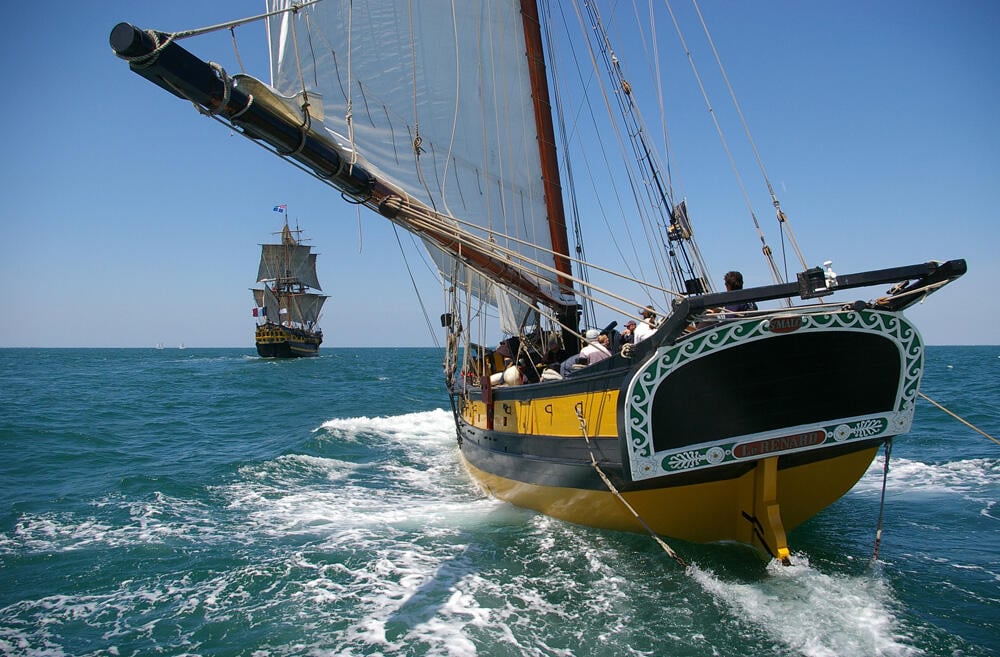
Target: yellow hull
{"x": 720, "y": 436}
{"x": 756, "y": 508}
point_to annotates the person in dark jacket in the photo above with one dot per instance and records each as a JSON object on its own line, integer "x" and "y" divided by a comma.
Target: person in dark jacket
{"x": 734, "y": 281}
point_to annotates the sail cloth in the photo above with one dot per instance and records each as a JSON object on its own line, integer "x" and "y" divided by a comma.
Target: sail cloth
{"x": 434, "y": 100}
{"x": 302, "y": 309}
{"x": 305, "y": 308}
{"x": 288, "y": 262}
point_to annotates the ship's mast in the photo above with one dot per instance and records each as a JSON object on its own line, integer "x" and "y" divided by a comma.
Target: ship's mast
{"x": 568, "y": 315}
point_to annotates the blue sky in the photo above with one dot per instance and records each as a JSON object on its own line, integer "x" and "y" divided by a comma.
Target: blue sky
{"x": 128, "y": 219}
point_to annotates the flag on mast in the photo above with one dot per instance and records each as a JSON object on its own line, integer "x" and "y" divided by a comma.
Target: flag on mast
{"x": 280, "y": 208}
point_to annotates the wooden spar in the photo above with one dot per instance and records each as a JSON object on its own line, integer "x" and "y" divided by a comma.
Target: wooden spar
{"x": 175, "y": 69}
{"x": 546, "y": 141}
{"x": 387, "y": 202}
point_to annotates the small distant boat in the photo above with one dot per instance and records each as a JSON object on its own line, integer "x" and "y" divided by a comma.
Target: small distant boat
{"x": 159, "y": 345}
{"x": 287, "y": 309}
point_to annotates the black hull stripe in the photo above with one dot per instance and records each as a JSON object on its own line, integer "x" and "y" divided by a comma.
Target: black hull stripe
{"x": 565, "y": 462}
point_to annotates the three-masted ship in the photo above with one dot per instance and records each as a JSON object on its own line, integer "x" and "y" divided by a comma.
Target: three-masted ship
{"x": 288, "y": 305}
{"x": 726, "y": 423}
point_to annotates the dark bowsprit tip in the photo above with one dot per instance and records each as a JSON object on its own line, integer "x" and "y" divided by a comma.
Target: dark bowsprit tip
{"x": 129, "y": 41}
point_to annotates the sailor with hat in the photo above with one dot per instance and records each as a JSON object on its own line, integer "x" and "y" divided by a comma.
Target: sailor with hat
{"x": 597, "y": 348}
{"x": 595, "y": 351}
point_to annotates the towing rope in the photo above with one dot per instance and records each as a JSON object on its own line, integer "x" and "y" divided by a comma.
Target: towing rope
{"x": 611, "y": 487}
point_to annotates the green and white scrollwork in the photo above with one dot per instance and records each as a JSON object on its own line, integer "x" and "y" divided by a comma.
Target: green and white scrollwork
{"x": 645, "y": 463}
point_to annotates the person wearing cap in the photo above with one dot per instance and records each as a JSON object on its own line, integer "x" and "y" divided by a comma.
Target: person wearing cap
{"x": 595, "y": 351}
{"x": 628, "y": 333}
{"x": 647, "y": 326}
{"x": 597, "y": 348}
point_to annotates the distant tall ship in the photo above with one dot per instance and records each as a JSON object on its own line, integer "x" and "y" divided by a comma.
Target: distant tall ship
{"x": 287, "y": 307}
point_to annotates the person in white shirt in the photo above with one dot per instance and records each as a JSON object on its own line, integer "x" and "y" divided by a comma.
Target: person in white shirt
{"x": 647, "y": 326}
{"x": 597, "y": 347}
{"x": 595, "y": 351}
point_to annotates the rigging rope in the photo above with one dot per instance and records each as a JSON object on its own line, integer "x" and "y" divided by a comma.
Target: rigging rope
{"x": 295, "y": 7}
{"x": 529, "y": 267}
{"x": 881, "y": 506}
{"x": 765, "y": 249}
{"x": 611, "y": 487}
{"x": 644, "y": 206}
{"x": 183, "y": 34}
{"x": 236, "y": 49}
{"x": 416, "y": 289}
{"x": 885, "y": 469}
{"x": 434, "y": 219}
{"x": 782, "y": 219}
{"x": 965, "y": 422}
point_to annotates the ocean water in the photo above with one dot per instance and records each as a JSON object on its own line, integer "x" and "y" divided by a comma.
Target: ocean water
{"x": 208, "y": 502}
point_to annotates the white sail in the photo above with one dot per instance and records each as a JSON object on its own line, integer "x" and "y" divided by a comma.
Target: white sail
{"x": 265, "y": 298}
{"x": 440, "y": 108}
{"x": 308, "y": 275}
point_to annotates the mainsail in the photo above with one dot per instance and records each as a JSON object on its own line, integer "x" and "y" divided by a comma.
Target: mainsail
{"x": 444, "y": 116}
{"x": 303, "y": 309}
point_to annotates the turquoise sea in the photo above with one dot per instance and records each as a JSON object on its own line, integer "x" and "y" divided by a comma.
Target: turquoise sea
{"x": 209, "y": 502}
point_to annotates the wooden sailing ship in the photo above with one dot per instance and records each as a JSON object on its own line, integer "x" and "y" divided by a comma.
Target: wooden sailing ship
{"x": 288, "y": 304}
{"x": 725, "y": 424}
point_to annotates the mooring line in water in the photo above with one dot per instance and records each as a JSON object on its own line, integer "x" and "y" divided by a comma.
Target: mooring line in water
{"x": 965, "y": 422}
{"x": 611, "y": 487}
{"x": 881, "y": 506}
{"x": 885, "y": 470}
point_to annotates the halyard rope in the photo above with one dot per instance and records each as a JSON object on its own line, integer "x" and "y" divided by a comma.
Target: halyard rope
{"x": 611, "y": 487}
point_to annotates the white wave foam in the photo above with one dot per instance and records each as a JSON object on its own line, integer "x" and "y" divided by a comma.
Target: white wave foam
{"x": 435, "y": 426}
{"x": 408, "y": 476}
{"x": 815, "y": 614}
{"x": 968, "y": 477}
{"x": 150, "y": 521}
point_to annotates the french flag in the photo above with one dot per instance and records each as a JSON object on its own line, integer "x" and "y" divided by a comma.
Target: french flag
{"x": 260, "y": 312}
{"x": 280, "y": 208}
